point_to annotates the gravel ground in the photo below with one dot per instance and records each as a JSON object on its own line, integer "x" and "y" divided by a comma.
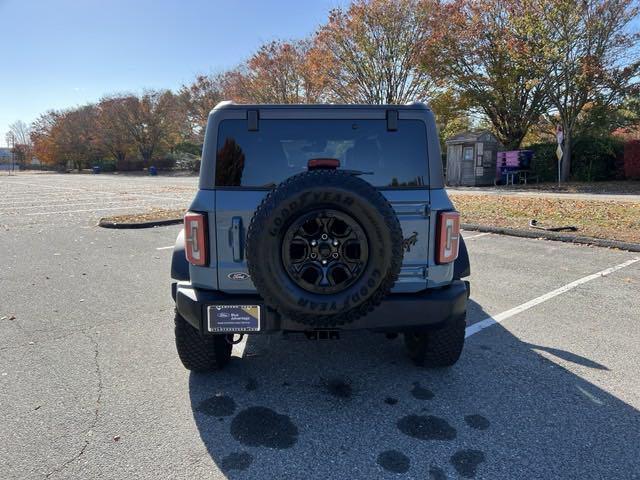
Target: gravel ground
{"x": 91, "y": 386}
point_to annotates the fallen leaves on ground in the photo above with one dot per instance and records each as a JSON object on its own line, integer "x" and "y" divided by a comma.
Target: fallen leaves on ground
{"x": 602, "y": 219}
{"x": 148, "y": 216}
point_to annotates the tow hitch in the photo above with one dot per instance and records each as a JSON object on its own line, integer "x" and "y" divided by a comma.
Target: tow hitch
{"x": 323, "y": 335}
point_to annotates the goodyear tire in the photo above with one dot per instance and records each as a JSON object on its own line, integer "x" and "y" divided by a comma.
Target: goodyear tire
{"x": 437, "y": 348}
{"x": 197, "y": 352}
{"x": 324, "y": 248}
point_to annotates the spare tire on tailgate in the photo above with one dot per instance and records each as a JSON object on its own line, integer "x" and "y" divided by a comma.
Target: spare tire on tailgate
{"x": 324, "y": 248}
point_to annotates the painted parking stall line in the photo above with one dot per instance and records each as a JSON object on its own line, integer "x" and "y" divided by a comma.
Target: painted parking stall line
{"x": 60, "y": 212}
{"x": 490, "y": 321}
{"x": 70, "y": 204}
{"x": 91, "y": 192}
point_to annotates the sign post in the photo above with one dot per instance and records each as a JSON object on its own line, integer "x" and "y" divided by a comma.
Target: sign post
{"x": 560, "y": 138}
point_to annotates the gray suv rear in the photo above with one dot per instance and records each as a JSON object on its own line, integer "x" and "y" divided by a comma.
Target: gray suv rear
{"x": 319, "y": 219}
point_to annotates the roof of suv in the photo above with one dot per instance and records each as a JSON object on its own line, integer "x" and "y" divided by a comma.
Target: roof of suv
{"x": 409, "y": 106}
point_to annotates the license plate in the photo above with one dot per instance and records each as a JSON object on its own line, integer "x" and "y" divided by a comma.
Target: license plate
{"x": 234, "y": 318}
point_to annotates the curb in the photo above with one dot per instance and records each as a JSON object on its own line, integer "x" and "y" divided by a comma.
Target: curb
{"x": 156, "y": 223}
{"x": 558, "y": 237}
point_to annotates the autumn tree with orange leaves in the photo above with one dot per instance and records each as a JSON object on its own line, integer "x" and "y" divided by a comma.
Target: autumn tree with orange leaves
{"x": 279, "y": 72}
{"x": 66, "y": 138}
{"x": 508, "y": 63}
{"x": 151, "y": 120}
{"x": 43, "y": 140}
{"x": 198, "y": 99}
{"x": 371, "y": 51}
{"x": 112, "y": 134}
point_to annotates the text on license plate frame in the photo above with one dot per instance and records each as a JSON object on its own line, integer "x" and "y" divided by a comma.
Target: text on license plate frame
{"x": 233, "y": 318}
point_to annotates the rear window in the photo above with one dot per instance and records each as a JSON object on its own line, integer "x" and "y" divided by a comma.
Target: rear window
{"x": 282, "y": 148}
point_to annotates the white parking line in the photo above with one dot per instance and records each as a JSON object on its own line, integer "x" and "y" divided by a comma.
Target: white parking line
{"x": 58, "y": 198}
{"x": 84, "y": 190}
{"x": 477, "y": 236}
{"x": 164, "y": 248}
{"x": 83, "y": 210}
{"x": 23, "y": 207}
{"x": 489, "y": 321}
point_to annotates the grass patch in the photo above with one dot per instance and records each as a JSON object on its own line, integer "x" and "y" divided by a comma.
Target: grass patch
{"x": 601, "y": 219}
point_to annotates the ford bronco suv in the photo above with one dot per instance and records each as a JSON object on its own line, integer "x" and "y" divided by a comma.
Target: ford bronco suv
{"x": 320, "y": 219}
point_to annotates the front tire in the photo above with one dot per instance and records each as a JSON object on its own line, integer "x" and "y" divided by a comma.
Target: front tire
{"x": 437, "y": 348}
{"x": 197, "y": 352}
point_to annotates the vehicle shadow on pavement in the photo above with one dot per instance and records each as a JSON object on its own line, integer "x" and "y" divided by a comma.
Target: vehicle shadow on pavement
{"x": 358, "y": 408}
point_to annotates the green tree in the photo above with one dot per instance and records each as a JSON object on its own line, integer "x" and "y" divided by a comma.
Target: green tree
{"x": 451, "y": 114}
{"x": 493, "y": 55}
{"x": 596, "y": 58}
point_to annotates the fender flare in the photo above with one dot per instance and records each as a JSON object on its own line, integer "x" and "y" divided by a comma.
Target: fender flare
{"x": 461, "y": 266}
{"x": 179, "y": 264}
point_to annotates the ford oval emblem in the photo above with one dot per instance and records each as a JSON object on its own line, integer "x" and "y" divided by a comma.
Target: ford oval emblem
{"x": 238, "y": 276}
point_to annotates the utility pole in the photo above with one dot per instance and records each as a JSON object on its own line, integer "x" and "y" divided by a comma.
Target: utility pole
{"x": 12, "y": 139}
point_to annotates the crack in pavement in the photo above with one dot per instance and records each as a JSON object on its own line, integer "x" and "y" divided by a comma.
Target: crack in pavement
{"x": 96, "y": 415}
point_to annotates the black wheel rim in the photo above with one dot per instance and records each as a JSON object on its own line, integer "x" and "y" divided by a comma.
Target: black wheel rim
{"x": 325, "y": 251}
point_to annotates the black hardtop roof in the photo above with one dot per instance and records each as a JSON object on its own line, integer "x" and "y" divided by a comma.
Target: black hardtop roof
{"x": 317, "y": 106}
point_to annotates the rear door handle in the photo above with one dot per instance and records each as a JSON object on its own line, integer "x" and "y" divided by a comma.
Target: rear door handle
{"x": 236, "y": 238}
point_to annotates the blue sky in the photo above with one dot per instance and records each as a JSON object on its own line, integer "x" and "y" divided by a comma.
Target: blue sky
{"x": 61, "y": 53}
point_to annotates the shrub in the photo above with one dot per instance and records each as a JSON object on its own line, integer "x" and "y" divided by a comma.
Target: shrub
{"x": 188, "y": 147}
{"x": 164, "y": 163}
{"x": 106, "y": 165}
{"x": 632, "y": 160}
{"x": 545, "y": 162}
{"x": 186, "y": 161}
{"x": 130, "y": 165}
{"x": 595, "y": 158}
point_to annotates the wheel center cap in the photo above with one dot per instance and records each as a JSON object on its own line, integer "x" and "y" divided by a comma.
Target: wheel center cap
{"x": 325, "y": 250}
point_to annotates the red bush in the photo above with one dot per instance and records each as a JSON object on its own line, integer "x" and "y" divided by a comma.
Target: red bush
{"x": 632, "y": 159}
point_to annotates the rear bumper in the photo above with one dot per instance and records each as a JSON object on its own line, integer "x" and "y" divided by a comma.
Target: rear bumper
{"x": 428, "y": 309}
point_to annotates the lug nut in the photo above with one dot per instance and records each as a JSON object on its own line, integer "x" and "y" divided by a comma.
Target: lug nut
{"x": 313, "y": 243}
{"x": 324, "y": 236}
{"x": 335, "y": 243}
{"x": 324, "y": 262}
{"x": 313, "y": 255}
{"x": 334, "y": 254}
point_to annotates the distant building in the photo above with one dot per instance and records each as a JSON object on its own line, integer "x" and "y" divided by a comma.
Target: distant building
{"x": 5, "y": 158}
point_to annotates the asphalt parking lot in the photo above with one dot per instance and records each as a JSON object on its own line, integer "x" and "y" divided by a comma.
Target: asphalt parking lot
{"x": 91, "y": 386}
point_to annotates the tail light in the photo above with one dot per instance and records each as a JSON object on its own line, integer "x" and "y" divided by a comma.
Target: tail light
{"x": 316, "y": 163}
{"x": 448, "y": 237}
{"x": 195, "y": 238}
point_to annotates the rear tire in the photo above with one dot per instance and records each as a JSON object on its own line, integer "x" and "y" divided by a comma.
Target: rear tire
{"x": 197, "y": 352}
{"x": 437, "y": 348}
